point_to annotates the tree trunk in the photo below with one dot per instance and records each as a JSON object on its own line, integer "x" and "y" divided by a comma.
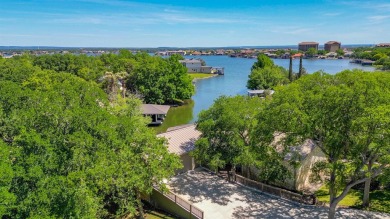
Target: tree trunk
{"x": 140, "y": 207}
{"x": 367, "y": 185}
{"x": 332, "y": 210}
{"x": 332, "y": 194}
{"x": 290, "y": 70}
{"x": 366, "y": 195}
{"x": 233, "y": 172}
{"x": 295, "y": 177}
{"x": 300, "y": 67}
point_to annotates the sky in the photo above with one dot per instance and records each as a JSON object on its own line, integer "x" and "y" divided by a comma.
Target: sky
{"x": 195, "y": 23}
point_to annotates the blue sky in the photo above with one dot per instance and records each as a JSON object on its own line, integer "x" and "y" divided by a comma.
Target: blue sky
{"x": 182, "y": 23}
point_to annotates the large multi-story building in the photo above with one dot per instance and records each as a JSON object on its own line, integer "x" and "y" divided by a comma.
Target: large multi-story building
{"x": 332, "y": 46}
{"x": 304, "y": 46}
{"x": 383, "y": 45}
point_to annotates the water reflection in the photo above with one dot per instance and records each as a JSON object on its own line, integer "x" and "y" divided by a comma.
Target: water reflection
{"x": 177, "y": 116}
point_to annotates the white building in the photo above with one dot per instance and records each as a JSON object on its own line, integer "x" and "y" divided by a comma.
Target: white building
{"x": 195, "y": 66}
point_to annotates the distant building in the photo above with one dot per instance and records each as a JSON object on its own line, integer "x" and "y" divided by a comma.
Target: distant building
{"x": 180, "y": 52}
{"x": 304, "y": 46}
{"x": 383, "y": 45}
{"x": 332, "y": 46}
{"x": 192, "y": 65}
{"x": 195, "y": 66}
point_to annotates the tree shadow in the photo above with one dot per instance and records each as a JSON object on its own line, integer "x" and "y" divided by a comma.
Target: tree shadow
{"x": 201, "y": 185}
{"x": 265, "y": 206}
{"x": 249, "y": 203}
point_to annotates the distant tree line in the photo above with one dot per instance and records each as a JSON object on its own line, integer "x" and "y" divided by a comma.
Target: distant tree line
{"x": 381, "y": 56}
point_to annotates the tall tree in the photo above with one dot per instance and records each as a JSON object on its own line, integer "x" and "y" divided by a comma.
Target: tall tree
{"x": 311, "y": 52}
{"x": 225, "y": 128}
{"x": 70, "y": 153}
{"x": 263, "y": 61}
{"x": 300, "y": 67}
{"x": 290, "y": 71}
{"x": 267, "y": 78}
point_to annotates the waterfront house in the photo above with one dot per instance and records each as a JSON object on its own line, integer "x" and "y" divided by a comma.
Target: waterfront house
{"x": 331, "y": 54}
{"x": 195, "y": 66}
{"x": 179, "y": 52}
{"x": 181, "y": 140}
{"x": 156, "y": 112}
{"x": 304, "y": 155}
{"x": 297, "y": 56}
{"x": 383, "y": 45}
{"x": 304, "y": 46}
{"x": 332, "y": 46}
{"x": 196, "y": 53}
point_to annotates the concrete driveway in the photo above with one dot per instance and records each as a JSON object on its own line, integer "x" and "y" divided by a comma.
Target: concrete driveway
{"x": 221, "y": 199}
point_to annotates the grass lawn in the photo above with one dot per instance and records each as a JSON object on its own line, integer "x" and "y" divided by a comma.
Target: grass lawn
{"x": 380, "y": 199}
{"x": 150, "y": 214}
{"x": 200, "y": 75}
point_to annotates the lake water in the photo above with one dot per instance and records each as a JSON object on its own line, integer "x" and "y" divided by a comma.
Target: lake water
{"x": 234, "y": 83}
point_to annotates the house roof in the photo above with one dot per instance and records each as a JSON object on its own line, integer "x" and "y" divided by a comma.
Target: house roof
{"x": 302, "y": 150}
{"x": 154, "y": 109}
{"x": 297, "y": 55}
{"x": 308, "y": 43}
{"x": 190, "y": 61}
{"x": 181, "y": 139}
{"x": 253, "y": 92}
{"x": 332, "y": 42}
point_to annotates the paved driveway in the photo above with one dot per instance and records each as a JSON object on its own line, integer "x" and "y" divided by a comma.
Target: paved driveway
{"x": 221, "y": 199}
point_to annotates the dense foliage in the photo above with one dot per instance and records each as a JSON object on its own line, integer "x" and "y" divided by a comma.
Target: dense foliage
{"x": 381, "y": 56}
{"x": 348, "y": 117}
{"x": 266, "y": 75}
{"x": 154, "y": 79}
{"x": 66, "y": 152}
{"x": 227, "y": 138}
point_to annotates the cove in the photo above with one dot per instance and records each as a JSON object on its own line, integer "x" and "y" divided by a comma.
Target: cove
{"x": 234, "y": 83}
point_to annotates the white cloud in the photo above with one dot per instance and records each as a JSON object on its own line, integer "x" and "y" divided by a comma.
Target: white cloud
{"x": 378, "y": 18}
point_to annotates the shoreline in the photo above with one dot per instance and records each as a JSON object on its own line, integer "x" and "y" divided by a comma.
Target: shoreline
{"x": 211, "y": 76}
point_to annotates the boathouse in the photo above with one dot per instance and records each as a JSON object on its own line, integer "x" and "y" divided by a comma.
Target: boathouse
{"x": 156, "y": 112}
{"x": 260, "y": 93}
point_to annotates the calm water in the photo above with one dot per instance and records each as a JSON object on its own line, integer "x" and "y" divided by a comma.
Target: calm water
{"x": 234, "y": 82}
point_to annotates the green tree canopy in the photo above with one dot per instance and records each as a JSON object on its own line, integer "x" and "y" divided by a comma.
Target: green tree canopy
{"x": 311, "y": 52}
{"x": 267, "y": 78}
{"x": 155, "y": 79}
{"x": 225, "y": 128}
{"x": 262, "y": 62}
{"x": 66, "y": 153}
{"x": 345, "y": 114}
